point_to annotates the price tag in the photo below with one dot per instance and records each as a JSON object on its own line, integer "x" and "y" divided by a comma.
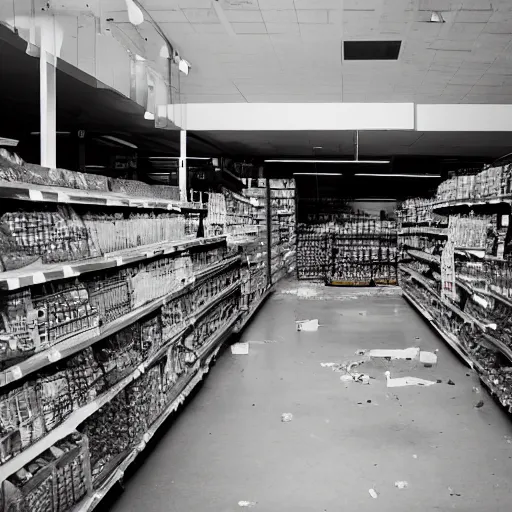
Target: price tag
{"x": 146, "y": 437}
{"x": 62, "y": 198}
{"x": 141, "y": 368}
{"x": 38, "y": 278}
{"x": 119, "y": 261}
{"x": 16, "y": 373}
{"x": 13, "y": 343}
{"x": 136, "y": 375}
{"x": 54, "y": 356}
{"x": 69, "y": 272}
{"x": 150, "y": 254}
{"x": 35, "y": 195}
{"x": 13, "y": 283}
{"x": 145, "y": 205}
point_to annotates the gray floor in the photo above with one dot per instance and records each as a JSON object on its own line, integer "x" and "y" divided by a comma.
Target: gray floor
{"x": 230, "y": 445}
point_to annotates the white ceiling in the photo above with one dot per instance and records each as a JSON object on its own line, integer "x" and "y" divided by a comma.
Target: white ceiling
{"x": 290, "y": 50}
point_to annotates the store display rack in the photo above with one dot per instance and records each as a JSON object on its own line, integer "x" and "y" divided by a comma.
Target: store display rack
{"x": 116, "y": 332}
{"x": 62, "y": 195}
{"x": 476, "y": 273}
{"x": 39, "y": 273}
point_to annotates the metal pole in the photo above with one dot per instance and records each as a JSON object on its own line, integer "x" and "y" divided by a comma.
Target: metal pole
{"x": 183, "y": 165}
{"x": 356, "y": 146}
{"x": 47, "y": 93}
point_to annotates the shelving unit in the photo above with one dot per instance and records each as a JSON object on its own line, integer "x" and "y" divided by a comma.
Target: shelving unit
{"x": 478, "y": 316}
{"x": 182, "y": 302}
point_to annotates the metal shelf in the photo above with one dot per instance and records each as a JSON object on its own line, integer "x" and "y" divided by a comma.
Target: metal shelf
{"x": 38, "y": 273}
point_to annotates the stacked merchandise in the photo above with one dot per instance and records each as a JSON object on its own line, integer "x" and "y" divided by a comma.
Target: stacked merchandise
{"x": 233, "y": 215}
{"x": 109, "y": 351}
{"x": 13, "y": 169}
{"x": 283, "y": 237}
{"x": 476, "y": 289}
{"x": 364, "y": 249}
{"x": 491, "y": 183}
{"x": 243, "y": 220}
{"x": 56, "y": 233}
{"x": 113, "y": 390}
{"x": 318, "y": 219}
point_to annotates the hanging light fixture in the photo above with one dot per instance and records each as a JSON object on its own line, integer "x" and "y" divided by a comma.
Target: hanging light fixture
{"x": 184, "y": 66}
{"x": 164, "y": 52}
{"x": 134, "y": 12}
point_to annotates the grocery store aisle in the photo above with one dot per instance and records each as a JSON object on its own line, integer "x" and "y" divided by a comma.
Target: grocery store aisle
{"x": 230, "y": 445}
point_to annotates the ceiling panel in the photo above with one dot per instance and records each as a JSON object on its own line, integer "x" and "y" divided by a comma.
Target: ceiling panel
{"x": 467, "y": 58}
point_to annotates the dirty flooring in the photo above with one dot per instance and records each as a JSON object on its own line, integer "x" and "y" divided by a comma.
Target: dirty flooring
{"x": 230, "y": 445}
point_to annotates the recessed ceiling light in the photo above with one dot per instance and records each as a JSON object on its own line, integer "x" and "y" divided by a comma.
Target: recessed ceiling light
{"x": 436, "y": 17}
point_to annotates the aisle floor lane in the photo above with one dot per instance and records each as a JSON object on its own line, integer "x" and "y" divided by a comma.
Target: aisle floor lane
{"x": 230, "y": 445}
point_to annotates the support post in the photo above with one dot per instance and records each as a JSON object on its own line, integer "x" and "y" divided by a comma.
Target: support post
{"x": 182, "y": 177}
{"x": 268, "y": 208}
{"x": 47, "y": 91}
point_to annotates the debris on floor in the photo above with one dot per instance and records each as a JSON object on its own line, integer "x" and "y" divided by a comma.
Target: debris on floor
{"x": 286, "y": 417}
{"x": 479, "y": 404}
{"x": 452, "y": 492}
{"x": 407, "y": 353}
{"x": 428, "y": 358}
{"x": 401, "y": 484}
{"x": 406, "y": 381}
{"x": 451, "y": 383}
{"x": 246, "y": 503}
{"x": 476, "y": 390}
{"x": 240, "y": 348}
{"x": 373, "y": 493}
{"x": 307, "y": 325}
{"x": 347, "y": 368}
{"x": 261, "y": 342}
{"x": 414, "y": 456}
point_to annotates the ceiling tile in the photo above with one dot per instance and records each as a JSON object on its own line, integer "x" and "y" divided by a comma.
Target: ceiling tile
{"x": 476, "y": 5}
{"x": 172, "y": 30}
{"x": 276, "y": 4}
{"x": 473, "y": 16}
{"x": 169, "y": 16}
{"x": 209, "y": 28}
{"x": 283, "y": 28}
{"x": 318, "y": 4}
{"x": 201, "y": 15}
{"x": 239, "y": 4}
{"x": 312, "y": 16}
{"x": 280, "y": 16}
{"x": 243, "y": 16}
{"x": 492, "y": 80}
{"x": 192, "y": 4}
{"x": 249, "y": 28}
{"x": 462, "y": 31}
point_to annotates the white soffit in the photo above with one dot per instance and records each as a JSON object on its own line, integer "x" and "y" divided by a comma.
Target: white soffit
{"x": 293, "y": 116}
{"x": 464, "y": 118}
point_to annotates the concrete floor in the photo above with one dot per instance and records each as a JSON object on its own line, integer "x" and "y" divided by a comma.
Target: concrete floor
{"x": 229, "y": 444}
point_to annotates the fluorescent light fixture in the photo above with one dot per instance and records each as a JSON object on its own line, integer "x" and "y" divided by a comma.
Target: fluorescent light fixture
{"x": 184, "y": 66}
{"x": 58, "y": 133}
{"x": 139, "y": 58}
{"x": 436, "y": 17}
{"x": 149, "y": 116}
{"x": 328, "y": 161}
{"x": 95, "y": 167}
{"x": 177, "y": 158}
{"x": 317, "y": 174}
{"x": 134, "y": 13}
{"x": 398, "y": 175}
{"x": 164, "y": 52}
{"x": 119, "y": 141}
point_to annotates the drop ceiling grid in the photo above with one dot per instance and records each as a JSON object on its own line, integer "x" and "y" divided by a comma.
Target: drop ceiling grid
{"x": 293, "y": 48}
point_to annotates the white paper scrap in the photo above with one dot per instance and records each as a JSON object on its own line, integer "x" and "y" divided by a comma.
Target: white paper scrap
{"x": 401, "y": 484}
{"x": 407, "y": 353}
{"x": 307, "y": 325}
{"x": 428, "y": 358}
{"x": 246, "y": 503}
{"x": 239, "y": 349}
{"x": 373, "y": 493}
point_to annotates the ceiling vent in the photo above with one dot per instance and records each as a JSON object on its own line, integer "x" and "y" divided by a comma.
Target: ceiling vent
{"x": 371, "y": 50}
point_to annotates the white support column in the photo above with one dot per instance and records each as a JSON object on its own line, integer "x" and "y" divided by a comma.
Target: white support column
{"x": 48, "y": 98}
{"x": 183, "y": 165}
